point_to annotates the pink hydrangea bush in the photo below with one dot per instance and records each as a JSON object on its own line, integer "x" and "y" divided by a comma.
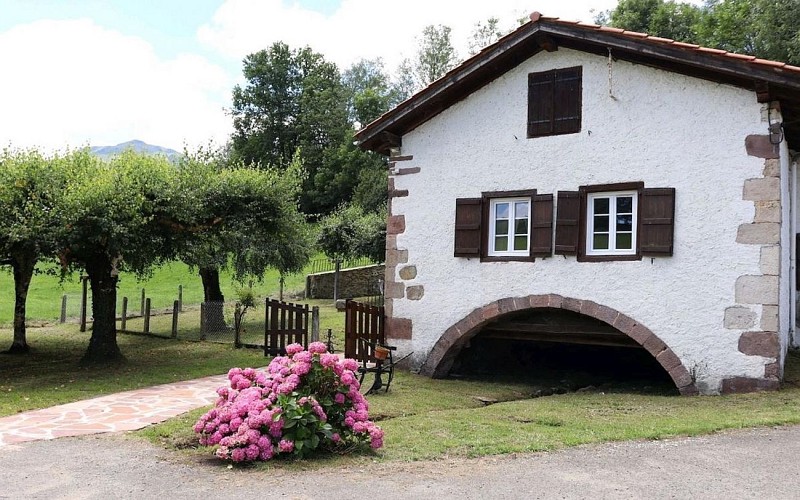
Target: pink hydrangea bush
{"x": 304, "y": 401}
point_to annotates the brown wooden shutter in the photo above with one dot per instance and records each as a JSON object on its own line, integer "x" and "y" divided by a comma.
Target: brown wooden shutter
{"x": 567, "y": 101}
{"x": 540, "y": 103}
{"x": 542, "y": 226}
{"x": 468, "y": 227}
{"x": 568, "y": 218}
{"x": 657, "y": 222}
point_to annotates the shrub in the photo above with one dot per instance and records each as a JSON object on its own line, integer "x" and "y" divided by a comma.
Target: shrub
{"x": 304, "y": 401}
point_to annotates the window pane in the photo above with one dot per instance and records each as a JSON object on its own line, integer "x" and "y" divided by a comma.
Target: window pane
{"x": 501, "y": 243}
{"x": 521, "y": 209}
{"x": 600, "y": 242}
{"x": 501, "y": 211}
{"x": 625, "y": 205}
{"x": 501, "y": 227}
{"x": 624, "y": 222}
{"x": 601, "y": 205}
{"x": 601, "y": 223}
{"x": 521, "y": 226}
{"x": 520, "y": 243}
{"x": 624, "y": 241}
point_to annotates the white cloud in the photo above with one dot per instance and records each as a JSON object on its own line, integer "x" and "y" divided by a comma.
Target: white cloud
{"x": 76, "y": 83}
{"x": 368, "y": 28}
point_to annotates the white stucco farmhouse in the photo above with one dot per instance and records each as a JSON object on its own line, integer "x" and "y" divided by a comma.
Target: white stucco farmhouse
{"x": 643, "y": 188}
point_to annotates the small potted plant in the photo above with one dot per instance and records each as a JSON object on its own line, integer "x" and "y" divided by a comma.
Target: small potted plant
{"x": 381, "y": 352}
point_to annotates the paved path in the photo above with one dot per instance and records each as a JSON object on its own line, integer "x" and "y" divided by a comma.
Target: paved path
{"x": 124, "y": 411}
{"x": 759, "y": 464}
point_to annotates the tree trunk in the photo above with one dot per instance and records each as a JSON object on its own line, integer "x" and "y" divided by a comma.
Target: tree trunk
{"x": 23, "y": 265}
{"x": 103, "y": 346}
{"x": 211, "y": 289}
{"x": 215, "y": 301}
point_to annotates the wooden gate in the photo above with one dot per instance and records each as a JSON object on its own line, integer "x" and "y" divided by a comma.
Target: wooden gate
{"x": 364, "y": 321}
{"x": 285, "y": 323}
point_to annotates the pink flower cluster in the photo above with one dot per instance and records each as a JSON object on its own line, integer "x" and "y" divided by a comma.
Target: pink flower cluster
{"x": 314, "y": 390}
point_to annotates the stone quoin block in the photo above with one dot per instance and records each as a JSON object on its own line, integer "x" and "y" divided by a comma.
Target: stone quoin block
{"x": 762, "y": 189}
{"x": 398, "y": 328}
{"x": 769, "y": 318}
{"x": 760, "y": 147}
{"x": 396, "y": 224}
{"x": 770, "y": 261}
{"x": 739, "y": 318}
{"x": 768, "y": 211}
{"x": 761, "y": 233}
{"x": 395, "y": 257}
{"x": 757, "y": 290}
{"x": 772, "y": 168}
{"x": 394, "y": 290}
{"x": 415, "y": 292}
{"x": 764, "y": 344}
{"x": 744, "y": 384}
{"x": 408, "y": 272}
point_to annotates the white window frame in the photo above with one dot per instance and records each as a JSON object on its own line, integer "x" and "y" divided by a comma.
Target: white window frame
{"x": 493, "y": 202}
{"x": 612, "y": 227}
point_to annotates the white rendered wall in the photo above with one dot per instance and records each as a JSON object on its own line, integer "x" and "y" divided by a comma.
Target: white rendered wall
{"x": 665, "y": 129}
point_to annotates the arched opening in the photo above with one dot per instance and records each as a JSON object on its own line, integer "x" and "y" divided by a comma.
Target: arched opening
{"x": 553, "y": 336}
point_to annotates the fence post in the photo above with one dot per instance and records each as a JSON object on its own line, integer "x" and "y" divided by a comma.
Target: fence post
{"x": 64, "y": 308}
{"x": 84, "y": 297}
{"x": 281, "y": 282}
{"x": 147, "y": 316}
{"x": 202, "y": 321}
{"x": 176, "y": 307}
{"x": 180, "y": 298}
{"x": 315, "y": 324}
{"x": 124, "y": 322}
{"x": 142, "y": 311}
{"x": 237, "y": 325}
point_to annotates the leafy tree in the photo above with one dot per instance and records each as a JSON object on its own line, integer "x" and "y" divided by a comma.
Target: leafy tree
{"x": 349, "y": 233}
{"x": 766, "y": 28}
{"x": 32, "y": 186}
{"x": 370, "y": 91}
{"x": 405, "y": 84}
{"x": 119, "y": 214}
{"x": 435, "y": 55}
{"x": 292, "y": 100}
{"x": 484, "y": 35}
{"x": 258, "y": 224}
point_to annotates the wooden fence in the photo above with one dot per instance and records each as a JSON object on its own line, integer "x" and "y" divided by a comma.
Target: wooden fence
{"x": 364, "y": 321}
{"x": 285, "y": 323}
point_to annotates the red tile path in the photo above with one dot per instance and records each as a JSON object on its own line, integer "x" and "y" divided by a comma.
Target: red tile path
{"x": 124, "y": 411}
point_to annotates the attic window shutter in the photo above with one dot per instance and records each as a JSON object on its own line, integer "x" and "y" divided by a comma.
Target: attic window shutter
{"x": 554, "y": 102}
{"x": 468, "y": 227}
{"x": 540, "y": 103}
{"x": 567, "y": 101}
{"x": 542, "y": 226}
{"x": 568, "y": 211}
{"x": 657, "y": 222}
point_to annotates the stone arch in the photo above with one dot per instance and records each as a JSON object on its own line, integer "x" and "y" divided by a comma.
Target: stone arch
{"x": 441, "y": 357}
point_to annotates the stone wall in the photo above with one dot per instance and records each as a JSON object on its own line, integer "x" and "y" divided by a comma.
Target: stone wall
{"x": 356, "y": 282}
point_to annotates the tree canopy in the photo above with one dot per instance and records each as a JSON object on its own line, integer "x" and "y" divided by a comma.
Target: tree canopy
{"x": 768, "y": 29}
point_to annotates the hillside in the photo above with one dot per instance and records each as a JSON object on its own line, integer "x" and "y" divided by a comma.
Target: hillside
{"x": 106, "y": 152}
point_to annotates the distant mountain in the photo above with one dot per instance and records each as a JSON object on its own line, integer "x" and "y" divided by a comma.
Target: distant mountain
{"x": 106, "y": 152}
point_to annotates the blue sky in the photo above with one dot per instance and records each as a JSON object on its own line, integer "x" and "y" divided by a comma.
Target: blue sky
{"x": 101, "y": 72}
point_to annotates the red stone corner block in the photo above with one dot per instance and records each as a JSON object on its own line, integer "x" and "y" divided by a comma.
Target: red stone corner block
{"x": 398, "y": 328}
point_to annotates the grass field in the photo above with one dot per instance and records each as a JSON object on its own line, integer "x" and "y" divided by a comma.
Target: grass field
{"x": 432, "y": 419}
{"x": 44, "y": 297}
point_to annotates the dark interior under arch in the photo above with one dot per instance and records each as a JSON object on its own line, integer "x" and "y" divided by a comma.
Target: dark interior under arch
{"x": 560, "y": 351}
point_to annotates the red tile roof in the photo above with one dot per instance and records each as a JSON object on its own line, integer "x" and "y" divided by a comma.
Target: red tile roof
{"x": 536, "y": 17}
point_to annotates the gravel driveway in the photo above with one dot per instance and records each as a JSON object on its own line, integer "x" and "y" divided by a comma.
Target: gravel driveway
{"x": 760, "y": 463}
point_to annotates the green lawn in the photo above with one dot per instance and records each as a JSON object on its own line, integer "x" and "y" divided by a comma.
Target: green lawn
{"x": 432, "y": 419}
{"x": 44, "y": 296}
{"x": 50, "y": 375}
